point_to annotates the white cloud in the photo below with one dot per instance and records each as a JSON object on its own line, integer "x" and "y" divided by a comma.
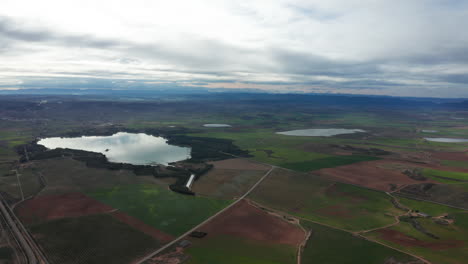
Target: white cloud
{"x": 349, "y": 45}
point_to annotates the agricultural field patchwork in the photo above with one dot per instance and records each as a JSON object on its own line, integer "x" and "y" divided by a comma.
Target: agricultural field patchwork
{"x": 384, "y": 175}
{"x": 92, "y": 239}
{"x": 313, "y": 198}
{"x": 246, "y": 234}
{"x": 443, "y": 241}
{"x": 332, "y": 246}
{"x": 229, "y": 178}
{"x": 340, "y": 188}
{"x": 159, "y": 207}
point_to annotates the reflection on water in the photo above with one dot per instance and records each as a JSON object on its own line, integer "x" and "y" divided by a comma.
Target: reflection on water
{"x": 138, "y": 149}
{"x": 320, "y": 132}
{"x": 447, "y": 140}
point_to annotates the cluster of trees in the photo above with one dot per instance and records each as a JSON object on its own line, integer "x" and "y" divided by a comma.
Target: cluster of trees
{"x": 203, "y": 149}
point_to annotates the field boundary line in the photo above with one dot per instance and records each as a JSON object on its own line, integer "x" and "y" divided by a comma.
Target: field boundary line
{"x": 154, "y": 253}
{"x": 347, "y": 183}
{"x": 354, "y": 233}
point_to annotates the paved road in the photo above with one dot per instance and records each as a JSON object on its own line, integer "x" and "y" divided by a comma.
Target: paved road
{"x": 154, "y": 253}
{"x": 12, "y": 225}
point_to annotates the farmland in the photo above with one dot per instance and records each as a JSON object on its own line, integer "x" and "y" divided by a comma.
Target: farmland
{"x": 313, "y": 198}
{"x": 450, "y": 246}
{"x": 214, "y": 250}
{"x": 324, "y": 243}
{"x": 91, "y": 239}
{"x": 384, "y": 175}
{"x": 51, "y": 207}
{"x": 333, "y": 186}
{"x": 227, "y": 180}
{"x": 156, "y": 206}
{"x": 249, "y": 235}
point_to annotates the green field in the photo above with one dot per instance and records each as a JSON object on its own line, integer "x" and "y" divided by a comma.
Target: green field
{"x": 332, "y": 246}
{"x": 232, "y": 250}
{"x": 328, "y": 162}
{"x": 92, "y": 239}
{"x": 427, "y": 207}
{"x": 450, "y": 248}
{"x": 313, "y": 198}
{"x": 287, "y": 151}
{"x": 459, "y": 179}
{"x": 159, "y": 207}
{"x": 438, "y": 174}
{"x": 455, "y": 163}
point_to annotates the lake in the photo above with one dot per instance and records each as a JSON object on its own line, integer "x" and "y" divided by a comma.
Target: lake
{"x": 137, "y": 149}
{"x": 447, "y": 140}
{"x": 216, "y": 125}
{"x": 320, "y": 132}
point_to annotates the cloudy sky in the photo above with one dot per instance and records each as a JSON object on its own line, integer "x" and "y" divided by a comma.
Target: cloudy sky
{"x": 390, "y": 47}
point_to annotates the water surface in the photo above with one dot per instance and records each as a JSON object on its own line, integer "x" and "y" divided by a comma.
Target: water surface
{"x": 447, "y": 140}
{"x": 429, "y": 131}
{"x": 138, "y": 149}
{"x": 216, "y": 125}
{"x": 320, "y": 132}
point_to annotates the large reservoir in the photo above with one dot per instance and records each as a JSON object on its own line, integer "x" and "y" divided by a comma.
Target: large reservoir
{"x": 137, "y": 149}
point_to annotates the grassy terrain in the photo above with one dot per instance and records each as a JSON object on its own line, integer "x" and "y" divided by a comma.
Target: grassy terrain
{"x": 450, "y": 248}
{"x": 328, "y": 162}
{"x": 428, "y": 208}
{"x": 226, "y": 184}
{"x": 155, "y": 205}
{"x": 459, "y": 179}
{"x": 233, "y": 250}
{"x": 332, "y": 246}
{"x": 72, "y": 175}
{"x": 317, "y": 199}
{"x": 92, "y": 239}
{"x": 287, "y": 151}
{"x": 455, "y": 163}
{"x": 28, "y": 179}
{"x": 435, "y": 174}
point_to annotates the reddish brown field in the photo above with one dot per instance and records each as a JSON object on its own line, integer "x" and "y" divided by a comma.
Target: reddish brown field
{"x": 139, "y": 225}
{"x": 460, "y": 156}
{"x": 402, "y": 239}
{"x": 369, "y": 174}
{"x": 247, "y": 221}
{"x": 49, "y": 207}
{"x": 239, "y": 164}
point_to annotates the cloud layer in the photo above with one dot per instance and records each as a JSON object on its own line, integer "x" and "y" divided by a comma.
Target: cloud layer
{"x": 406, "y": 48}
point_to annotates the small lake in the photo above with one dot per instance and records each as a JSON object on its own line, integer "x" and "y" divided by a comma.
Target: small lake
{"x": 429, "y": 131}
{"x": 320, "y": 132}
{"x": 137, "y": 149}
{"x": 216, "y": 125}
{"x": 447, "y": 140}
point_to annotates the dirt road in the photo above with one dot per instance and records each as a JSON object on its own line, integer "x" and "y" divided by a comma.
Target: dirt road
{"x": 154, "y": 253}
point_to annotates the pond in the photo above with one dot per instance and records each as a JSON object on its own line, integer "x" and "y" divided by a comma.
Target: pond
{"x": 216, "y": 125}
{"x": 320, "y": 132}
{"x": 447, "y": 140}
{"x": 137, "y": 149}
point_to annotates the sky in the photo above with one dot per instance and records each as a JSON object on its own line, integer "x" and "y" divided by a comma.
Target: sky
{"x": 381, "y": 47}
